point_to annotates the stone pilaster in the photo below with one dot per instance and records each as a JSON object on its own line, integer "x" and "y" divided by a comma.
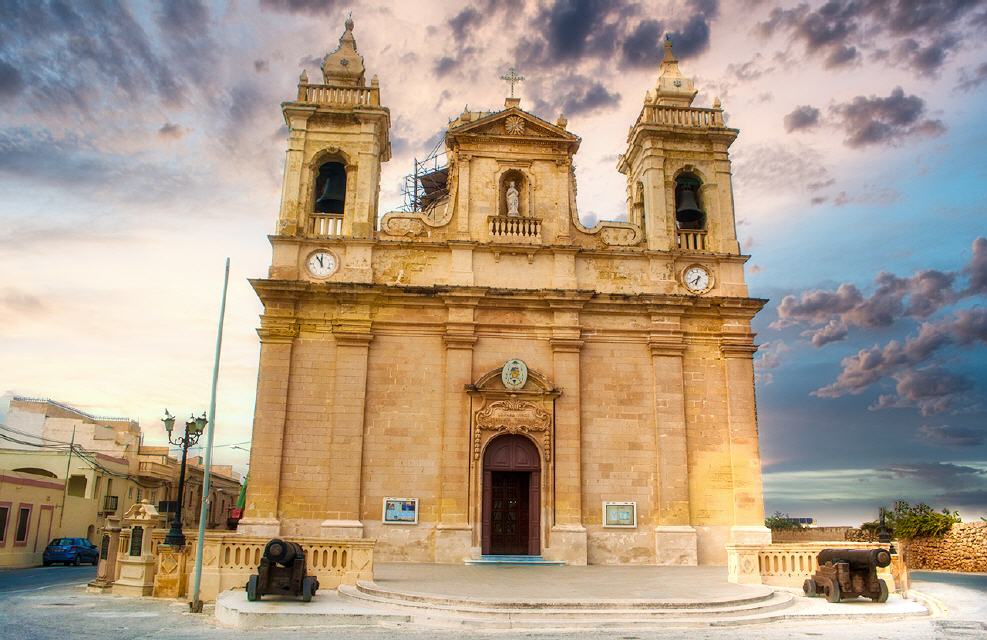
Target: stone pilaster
{"x": 453, "y": 536}
{"x": 291, "y": 218}
{"x": 463, "y": 197}
{"x": 345, "y": 463}
{"x": 675, "y": 538}
{"x": 727, "y": 236}
{"x": 568, "y": 535}
{"x": 745, "y": 458}
{"x": 266, "y": 453}
{"x": 656, "y": 210}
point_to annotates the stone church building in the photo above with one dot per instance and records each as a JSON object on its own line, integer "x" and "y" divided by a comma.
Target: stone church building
{"x": 482, "y": 374}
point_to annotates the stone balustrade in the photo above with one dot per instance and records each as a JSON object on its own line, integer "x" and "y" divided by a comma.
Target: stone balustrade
{"x": 339, "y": 96}
{"x": 787, "y": 564}
{"x": 683, "y": 116}
{"x": 228, "y": 560}
{"x": 329, "y": 225}
{"x": 692, "y": 240}
{"x": 514, "y": 229}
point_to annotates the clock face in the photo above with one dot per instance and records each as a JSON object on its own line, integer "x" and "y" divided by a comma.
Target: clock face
{"x": 696, "y": 279}
{"x": 321, "y": 264}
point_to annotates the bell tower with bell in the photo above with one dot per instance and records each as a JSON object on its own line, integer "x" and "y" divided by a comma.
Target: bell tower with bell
{"x": 678, "y": 168}
{"x": 337, "y": 141}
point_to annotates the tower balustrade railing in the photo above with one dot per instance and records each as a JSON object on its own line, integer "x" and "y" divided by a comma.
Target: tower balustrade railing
{"x": 683, "y": 116}
{"x": 692, "y": 240}
{"x": 325, "y": 225}
{"x": 339, "y": 95}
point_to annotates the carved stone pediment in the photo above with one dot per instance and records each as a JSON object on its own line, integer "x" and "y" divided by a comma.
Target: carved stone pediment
{"x": 513, "y": 416}
{"x": 515, "y": 123}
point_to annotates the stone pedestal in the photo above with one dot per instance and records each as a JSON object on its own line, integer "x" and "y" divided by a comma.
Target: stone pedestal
{"x": 106, "y": 571}
{"x": 136, "y": 561}
{"x": 453, "y": 543}
{"x": 676, "y": 545}
{"x": 260, "y": 527}
{"x": 742, "y": 565}
{"x": 341, "y": 529}
{"x": 568, "y": 544}
{"x": 170, "y": 574}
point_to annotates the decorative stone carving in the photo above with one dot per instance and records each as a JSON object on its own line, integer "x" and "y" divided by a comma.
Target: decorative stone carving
{"x": 514, "y": 125}
{"x": 620, "y": 236}
{"x": 396, "y": 226}
{"x": 513, "y": 416}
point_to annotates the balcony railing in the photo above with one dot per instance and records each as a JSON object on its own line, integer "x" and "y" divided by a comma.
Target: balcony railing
{"x": 683, "y": 116}
{"x": 155, "y": 470}
{"x": 692, "y": 240}
{"x": 325, "y": 225}
{"x": 339, "y": 96}
{"x": 514, "y": 230}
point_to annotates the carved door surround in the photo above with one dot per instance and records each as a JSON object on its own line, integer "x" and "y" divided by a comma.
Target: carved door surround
{"x": 528, "y": 413}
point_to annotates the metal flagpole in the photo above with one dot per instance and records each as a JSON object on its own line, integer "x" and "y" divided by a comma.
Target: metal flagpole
{"x": 195, "y": 605}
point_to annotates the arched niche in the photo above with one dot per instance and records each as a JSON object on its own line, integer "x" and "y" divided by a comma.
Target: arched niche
{"x": 690, "y": 211}
{"x": 522, "y": 181}
{"x": 36, "y": 471}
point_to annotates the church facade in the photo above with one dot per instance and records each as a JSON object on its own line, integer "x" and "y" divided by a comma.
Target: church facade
{"x": 485, "y": 375}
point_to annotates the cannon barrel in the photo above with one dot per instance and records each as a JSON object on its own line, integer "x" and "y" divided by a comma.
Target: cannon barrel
{"x": 282, "y": 552}
{"x": 856, "y": 558}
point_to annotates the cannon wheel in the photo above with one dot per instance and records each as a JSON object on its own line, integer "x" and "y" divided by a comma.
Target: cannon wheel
{"x": 883, "y": 597}
{"x": 833, "y": 591}
{"x": 308, "y": 589}
{"x": 809, "y": 587}
{"x": 252, "y": 589}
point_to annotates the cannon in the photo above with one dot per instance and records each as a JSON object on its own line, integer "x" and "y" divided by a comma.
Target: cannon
{"x": 848, "y": 573}
{"x": 282, "y": 571}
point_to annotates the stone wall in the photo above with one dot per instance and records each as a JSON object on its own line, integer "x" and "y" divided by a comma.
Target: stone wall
{"x": 823, "y": 534}
{"x": 964, "y": 548}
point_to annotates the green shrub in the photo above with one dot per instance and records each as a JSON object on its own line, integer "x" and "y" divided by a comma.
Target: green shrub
{"x": 781, "y": 522}
{"x": 906, "y": 521}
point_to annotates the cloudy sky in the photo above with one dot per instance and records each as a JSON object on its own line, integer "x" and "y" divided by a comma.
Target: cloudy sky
{"x": 141, "y": 143}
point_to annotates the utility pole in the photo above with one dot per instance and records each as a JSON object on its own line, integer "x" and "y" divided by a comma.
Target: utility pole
{"x": 65, "y": 489}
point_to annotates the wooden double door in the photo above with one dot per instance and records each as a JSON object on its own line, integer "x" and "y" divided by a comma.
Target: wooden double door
{"x": 511, "y": 497}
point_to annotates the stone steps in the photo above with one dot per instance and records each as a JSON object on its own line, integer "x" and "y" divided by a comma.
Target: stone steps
{"x": 561, "y": 612}
{"x": 515, "y": 560}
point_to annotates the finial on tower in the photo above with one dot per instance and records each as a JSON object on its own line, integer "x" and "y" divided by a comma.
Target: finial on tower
{"x": 344, "y": 65}
{"x": 669, "y": 56}
{"x": 673, "y": 89}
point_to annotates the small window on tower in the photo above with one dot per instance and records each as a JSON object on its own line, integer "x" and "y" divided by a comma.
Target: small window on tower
{"x": 689, "y": 212}
{"x": 330, "y": 188}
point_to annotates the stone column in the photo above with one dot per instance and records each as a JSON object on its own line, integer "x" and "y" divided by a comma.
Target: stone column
{"x": 745, "y": 458}
{"x": 266, "y": 456}
{"x": 453, "y": 539}
{"x": 675, "y": 538}
{"x": 568, "y": 535}
{"x": 727, "y": 237}
{"x": 361, "y": 223}
{"x": 292, "y": 217}
{"x": 656, "y": 211}
{"x": 463, "y": 198}
{"x": 562, "y": 235}
{"x": 345, "y": 463}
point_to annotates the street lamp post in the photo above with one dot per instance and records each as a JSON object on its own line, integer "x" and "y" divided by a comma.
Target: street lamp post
{"x": 193, "y": 429}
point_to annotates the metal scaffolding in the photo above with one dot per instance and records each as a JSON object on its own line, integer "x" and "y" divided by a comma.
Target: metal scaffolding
{"x": 428, "y": 184}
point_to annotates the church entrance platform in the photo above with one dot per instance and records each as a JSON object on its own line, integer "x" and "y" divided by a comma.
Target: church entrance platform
{"x": 549, "y": 597}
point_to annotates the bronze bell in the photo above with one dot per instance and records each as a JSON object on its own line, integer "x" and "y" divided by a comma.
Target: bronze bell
{"x": 331, "y": 200}
{"x": 687, "y": 213}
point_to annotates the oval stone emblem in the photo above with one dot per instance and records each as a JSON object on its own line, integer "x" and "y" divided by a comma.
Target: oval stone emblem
{"x": 514, "y": 375}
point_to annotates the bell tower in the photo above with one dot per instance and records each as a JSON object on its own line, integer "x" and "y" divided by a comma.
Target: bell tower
{"x": 338, "y": 137}
{"x": 678, "y": 168}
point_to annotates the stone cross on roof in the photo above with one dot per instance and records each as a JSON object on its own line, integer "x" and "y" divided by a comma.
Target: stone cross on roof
{"x": 512, "y": 78}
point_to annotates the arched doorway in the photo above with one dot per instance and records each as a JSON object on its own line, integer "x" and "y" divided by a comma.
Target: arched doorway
{"x": 511, "y": 497}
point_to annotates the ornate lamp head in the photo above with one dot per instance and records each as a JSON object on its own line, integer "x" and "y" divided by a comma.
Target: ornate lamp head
{"x": 200, "y": 424}
{"x": 169, "y": 421}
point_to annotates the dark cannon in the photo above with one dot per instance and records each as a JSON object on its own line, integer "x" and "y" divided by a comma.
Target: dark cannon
{"x": 282, "y": 571}
{"x": 848, "y": 573}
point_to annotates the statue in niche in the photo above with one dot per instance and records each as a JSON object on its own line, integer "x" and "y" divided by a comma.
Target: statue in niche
{"x": 513, "y": 200}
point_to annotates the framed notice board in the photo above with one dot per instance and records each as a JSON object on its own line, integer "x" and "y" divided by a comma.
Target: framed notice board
{"x": 400, "y": 511}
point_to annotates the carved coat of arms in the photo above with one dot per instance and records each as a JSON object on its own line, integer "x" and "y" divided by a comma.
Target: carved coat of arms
{"x": 514, "y": 375}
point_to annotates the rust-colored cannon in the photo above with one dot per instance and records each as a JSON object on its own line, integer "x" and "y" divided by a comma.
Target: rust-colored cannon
{"x": 282, "y": 571}
{"x": 848, "y": 573}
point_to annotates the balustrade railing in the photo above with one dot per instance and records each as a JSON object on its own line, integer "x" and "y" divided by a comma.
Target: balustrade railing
{"x": 786, "y": 564}
{"x": 343, "y": 96}
{"x": 683, "y": 116}
{"x": 325, "y": 225}
{"x": 692, "y": 240}
{"x": 514, "y": 230}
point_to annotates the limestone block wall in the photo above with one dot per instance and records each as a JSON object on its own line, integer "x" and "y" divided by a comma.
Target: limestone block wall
{"x": 964, "y": 548}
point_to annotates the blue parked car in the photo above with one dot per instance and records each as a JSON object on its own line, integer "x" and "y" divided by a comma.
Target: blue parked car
{"x": 70, "y": 551}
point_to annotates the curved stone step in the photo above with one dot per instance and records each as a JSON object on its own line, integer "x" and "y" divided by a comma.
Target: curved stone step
{"x": 759, "y": 593}
{"x": 547, "y": 612}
